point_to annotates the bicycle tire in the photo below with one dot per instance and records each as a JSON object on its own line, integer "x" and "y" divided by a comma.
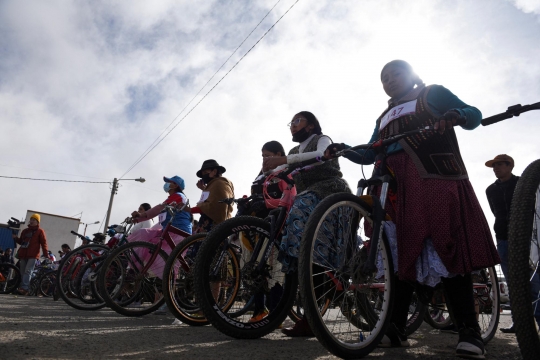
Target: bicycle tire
{"x": 144, "y": 287}
{"x": 363, "y": 310}
{"x": 275, "y": 289}
{"x": 178, "y": 291}
{"x": 487, "y": 303}
{"x": 67, "y": 273}
{"x": 417, "y": 312}
{"x": 437, "y": 315}
{"x": 11, "y": 278}
{"x": 523, "y": 219}
{"x": 47, "y": 283}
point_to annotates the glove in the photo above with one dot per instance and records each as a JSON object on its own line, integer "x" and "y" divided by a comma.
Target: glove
{"x": 332, "y": 149}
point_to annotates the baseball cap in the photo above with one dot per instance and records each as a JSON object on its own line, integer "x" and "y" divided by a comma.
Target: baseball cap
{"x": 500, "y": 158}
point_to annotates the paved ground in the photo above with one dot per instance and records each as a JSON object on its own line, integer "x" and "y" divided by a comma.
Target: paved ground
{"x": 40, "y": 328}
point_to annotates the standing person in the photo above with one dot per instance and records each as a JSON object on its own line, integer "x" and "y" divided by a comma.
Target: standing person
{"x": 215, "y": 187}
{"x": 442, "y": 234}
{"x": 311, "y": 186}
{"x": 31, "y": 239}
{"x": 499, "y": 195}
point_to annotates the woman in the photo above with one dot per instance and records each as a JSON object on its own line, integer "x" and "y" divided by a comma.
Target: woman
{"x": 442, "y": 234}
{"x": 145, "y": 224}
{"x": 174, "y": 186}
{"x": 312, "y": 186}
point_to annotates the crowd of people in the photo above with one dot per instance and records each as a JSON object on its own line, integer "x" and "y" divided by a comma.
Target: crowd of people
{"x": 442, "y": 233}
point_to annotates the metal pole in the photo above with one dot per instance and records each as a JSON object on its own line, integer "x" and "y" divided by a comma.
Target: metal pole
{"x": 113, "y": 191}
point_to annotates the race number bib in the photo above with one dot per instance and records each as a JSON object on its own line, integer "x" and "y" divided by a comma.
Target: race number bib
{"x": 397, "y": 112}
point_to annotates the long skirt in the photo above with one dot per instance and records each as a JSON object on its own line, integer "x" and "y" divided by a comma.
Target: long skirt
{"x": 153, "y": 236}
{"x": 438, "y": 217}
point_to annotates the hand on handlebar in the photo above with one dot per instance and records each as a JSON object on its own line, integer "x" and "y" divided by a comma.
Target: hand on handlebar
{"x": 273, "y": 162}
{"x": 332, "y": 149}
{"x": 448, "y": 121}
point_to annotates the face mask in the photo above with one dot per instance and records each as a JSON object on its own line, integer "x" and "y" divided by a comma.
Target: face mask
{"x": 300, "y": 135}
{"x": 206, "y": 178}
{"x": 167, "y": 187}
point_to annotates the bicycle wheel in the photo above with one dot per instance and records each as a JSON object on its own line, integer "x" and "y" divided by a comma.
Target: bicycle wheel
{"x": 437, "y": 314}
{"x": 68, "y": 276}
{"x": 487, "y": 301}
{"x": 178, "y": 279}
{"x": 361, "y": 303}
{"x": 129, "y": 281}
{"x": 240, "y": 298}
{"x": 47, "y": 283}
{"x": 417, "y": 311}
{"x": 523, "y": 255}
{"x": 10, "y": 278}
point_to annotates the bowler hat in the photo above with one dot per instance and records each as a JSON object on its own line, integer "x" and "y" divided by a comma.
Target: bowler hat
{"x": 500, "y": 158}
{"x": 210, "y": 164}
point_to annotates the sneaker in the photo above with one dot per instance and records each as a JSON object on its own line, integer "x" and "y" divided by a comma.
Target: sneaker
{"x": 259, "y": 316}
{"x": 470, "y": 345}
{"x": 394, "y": 338}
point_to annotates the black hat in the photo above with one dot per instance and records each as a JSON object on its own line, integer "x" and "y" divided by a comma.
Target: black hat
{"x": 210, "y": 164}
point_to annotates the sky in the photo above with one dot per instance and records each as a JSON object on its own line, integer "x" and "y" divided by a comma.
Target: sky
{"x": 86, "y": 88}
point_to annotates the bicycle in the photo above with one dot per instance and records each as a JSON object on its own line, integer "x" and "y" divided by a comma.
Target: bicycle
{"x": 359, "y": 272}
{"x": 10, "y": 278}
{"x": 524, "y": 247}
{"x": 130, "y": 280}
{"x": 259, "y": 297}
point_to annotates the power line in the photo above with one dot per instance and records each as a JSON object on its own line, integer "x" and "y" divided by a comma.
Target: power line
{"x": 197, "y": 94}
{"x": 152, "y": 147}
{"x": 73, "y": 181}
{"x": 52, "y": 172}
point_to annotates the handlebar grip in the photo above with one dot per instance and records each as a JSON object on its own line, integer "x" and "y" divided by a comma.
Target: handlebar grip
{"x": 74, "y": 233}
{"x": 495, "y": 119}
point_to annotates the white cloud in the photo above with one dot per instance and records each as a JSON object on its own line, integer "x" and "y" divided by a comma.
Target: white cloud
{"x": 527, "y": 6}
{"x": 86, "y": 89}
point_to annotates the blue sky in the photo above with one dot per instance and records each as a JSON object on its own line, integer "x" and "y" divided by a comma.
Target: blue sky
{"x": 86, "y": 88}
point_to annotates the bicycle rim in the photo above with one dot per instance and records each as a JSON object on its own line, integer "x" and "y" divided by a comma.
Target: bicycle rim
{"x": 11, "y": 278}
{"x": 237, "y": 298}
{"x": 179, "y": 289}
{"x": 523, "y": 255}
{"x": 330, "y": 265}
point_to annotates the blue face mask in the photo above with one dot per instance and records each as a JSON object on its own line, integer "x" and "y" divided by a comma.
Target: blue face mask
{"x": 167, "y": 187}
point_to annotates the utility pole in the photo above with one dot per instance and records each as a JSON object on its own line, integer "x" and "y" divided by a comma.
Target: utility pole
{"x": 113, "y": 192}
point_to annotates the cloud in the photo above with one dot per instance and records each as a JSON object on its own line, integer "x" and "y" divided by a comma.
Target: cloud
{"x": 527, "y": 6}
{"x": 85, "y": 89}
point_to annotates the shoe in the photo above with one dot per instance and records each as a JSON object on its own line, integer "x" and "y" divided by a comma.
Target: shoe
{"x": 450, "y": 329}
{"x": 394, "y": 338}
{"x": 509, "y": 330}
{"x": 470, "y": 345}
{"x": 259, "y": 316}
{"x": 300, "y": 329}
{"x": 23, "y": 292}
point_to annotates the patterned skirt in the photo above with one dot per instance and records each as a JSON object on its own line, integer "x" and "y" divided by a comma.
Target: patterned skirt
{"x": 441, "y": 217}
{"x": 303, "y": 206}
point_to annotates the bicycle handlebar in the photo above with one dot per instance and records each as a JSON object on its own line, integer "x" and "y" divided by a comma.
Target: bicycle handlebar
{"x": 512, "y": 111}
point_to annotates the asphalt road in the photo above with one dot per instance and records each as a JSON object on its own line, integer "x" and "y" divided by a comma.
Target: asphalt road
{"x": 40, "y": 328}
